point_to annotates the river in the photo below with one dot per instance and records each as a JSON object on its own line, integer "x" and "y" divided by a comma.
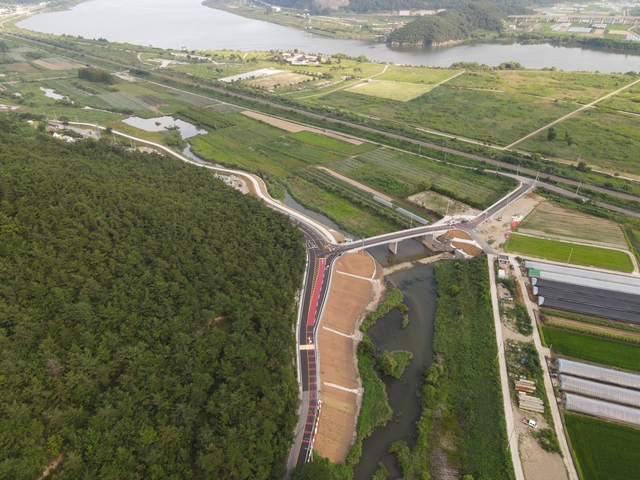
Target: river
{"x": 194, "y": 26}
{"x": 418, "y": 288}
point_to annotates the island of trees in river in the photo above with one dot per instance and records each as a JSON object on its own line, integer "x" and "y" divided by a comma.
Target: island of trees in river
{"x": 146, "y": 315}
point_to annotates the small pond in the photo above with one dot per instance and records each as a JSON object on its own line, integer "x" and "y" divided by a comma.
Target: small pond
{"x": 158, "y": 124}
{"x": 49, "y": 92}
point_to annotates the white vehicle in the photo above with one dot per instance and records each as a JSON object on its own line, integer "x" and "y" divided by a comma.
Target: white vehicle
{"x": 530, "y": 422}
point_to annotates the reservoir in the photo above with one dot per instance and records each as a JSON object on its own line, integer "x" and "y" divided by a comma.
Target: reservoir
{"x": 194, "y": 26}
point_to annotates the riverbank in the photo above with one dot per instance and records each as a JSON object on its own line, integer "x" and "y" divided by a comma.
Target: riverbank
{"x": 356, "y": 289}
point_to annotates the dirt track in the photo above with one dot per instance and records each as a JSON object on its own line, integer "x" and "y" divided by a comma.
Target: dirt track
{"x": 355, "y": 287}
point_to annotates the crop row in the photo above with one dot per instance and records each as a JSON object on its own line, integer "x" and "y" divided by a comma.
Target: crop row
{"x": 352, "y": 193}
{"x": 123, "y": 100}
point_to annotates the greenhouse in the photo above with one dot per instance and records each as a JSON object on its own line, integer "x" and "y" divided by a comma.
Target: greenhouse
{"x": 575, "y": 290}
{"x": 591, "y": 310}
{"x": 582, "y": 273}
{"x": 601, "y": 391}
{"x": 587, "y": 282}
{"x": 598, "y": 408}
{"x": 601, "y": 374}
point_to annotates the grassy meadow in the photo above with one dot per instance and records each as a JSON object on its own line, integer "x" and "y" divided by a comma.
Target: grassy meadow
{"x": 606, "y": 140}
{"x": 495, "y": 117}
{"x": 588, "y": 256}
{"x": 402, "y": 92}
{"x": 577, "y": 87}
{"x": 407, "y": 74}
{"x": 603, "y": 450}
{"x": 472, "y": 416}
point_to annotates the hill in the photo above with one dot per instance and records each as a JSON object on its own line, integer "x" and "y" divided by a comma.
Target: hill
{"x": 146, "y": 315}
{"x": 448, "y": 26}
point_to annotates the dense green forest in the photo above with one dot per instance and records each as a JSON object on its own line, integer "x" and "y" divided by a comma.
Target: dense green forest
{"x": 458, "y": 24}
{"x": 146, "y": 315}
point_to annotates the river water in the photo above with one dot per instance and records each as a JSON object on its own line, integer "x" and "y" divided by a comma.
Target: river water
{"x": 194, "y": 26}
{"x": 418, "y": 287}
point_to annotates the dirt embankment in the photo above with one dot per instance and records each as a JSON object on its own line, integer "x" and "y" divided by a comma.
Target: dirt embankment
{"x": 355, "y": 289}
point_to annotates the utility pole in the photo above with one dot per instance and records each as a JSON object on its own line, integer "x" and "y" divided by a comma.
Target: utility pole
{"x": 570, "y": 253}
{"x": 579, "y": 185}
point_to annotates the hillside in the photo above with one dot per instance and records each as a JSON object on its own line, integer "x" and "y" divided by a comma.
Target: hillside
{"x": 448, "y": 26}
{"x": 146, "y": 315}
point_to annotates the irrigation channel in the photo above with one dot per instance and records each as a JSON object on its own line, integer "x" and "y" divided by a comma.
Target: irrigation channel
{"x": 418, "y": 288}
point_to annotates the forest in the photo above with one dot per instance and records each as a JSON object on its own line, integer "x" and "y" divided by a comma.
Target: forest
{"x": 450, "y": 25}
{"x": 146, "y": 317}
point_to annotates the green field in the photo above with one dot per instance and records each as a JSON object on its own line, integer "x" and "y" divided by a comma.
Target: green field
{"x": 561, "y": 251}
{"x": 427, "y": 76}
{"x": 348, "y": 216}
{"x": 578, "y": 87}
{"x": 592, "y": 349}
{"x": 603, "y": 139}
{"x": 257, "y": 146}
{"x": 603, "y": 450}
{"x": 627, "y": 101}
{"x": 321, "y": 141}
{"x": 401, "y": 92}
{"x": 401, "y": 174}
{"x": 496, "y": 117}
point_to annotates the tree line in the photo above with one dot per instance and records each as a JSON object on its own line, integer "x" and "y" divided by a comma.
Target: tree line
{"x": 146, "y": 316}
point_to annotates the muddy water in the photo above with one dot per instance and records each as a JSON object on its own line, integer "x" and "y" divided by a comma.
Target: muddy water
{"x": 418, "y": 287}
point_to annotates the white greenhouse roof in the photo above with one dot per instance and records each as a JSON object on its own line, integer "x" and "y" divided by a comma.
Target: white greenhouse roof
{"x": 601, "y": 391}
{"x": 601, "y": 374}
{"x": 583, "y": 273}
{"x": 598, "y": 408}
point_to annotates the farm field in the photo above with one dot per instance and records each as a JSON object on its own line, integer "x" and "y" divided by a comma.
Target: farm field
{"x": 578, "y": 87}
{"x": 496, "y": 117}
{"x": 402, "y": 92}
{"x": 551, "y": 219}
{"x": 283, "y": 79}
{"x": 592, "y": 349}
{"x": 401, "y": 174}
{"x": 608, "y": 141}
{"x": 260, "y": 147}
{"x": 603, "y": 450}
{"x": 585, "y": 255}
{"x": 351, "y": 217}
{"x": 427, "y": 76}
{"x": 57, "y": 63}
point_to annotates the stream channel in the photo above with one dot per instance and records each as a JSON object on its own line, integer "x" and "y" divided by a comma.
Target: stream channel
{"x": 418, "y": 287}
